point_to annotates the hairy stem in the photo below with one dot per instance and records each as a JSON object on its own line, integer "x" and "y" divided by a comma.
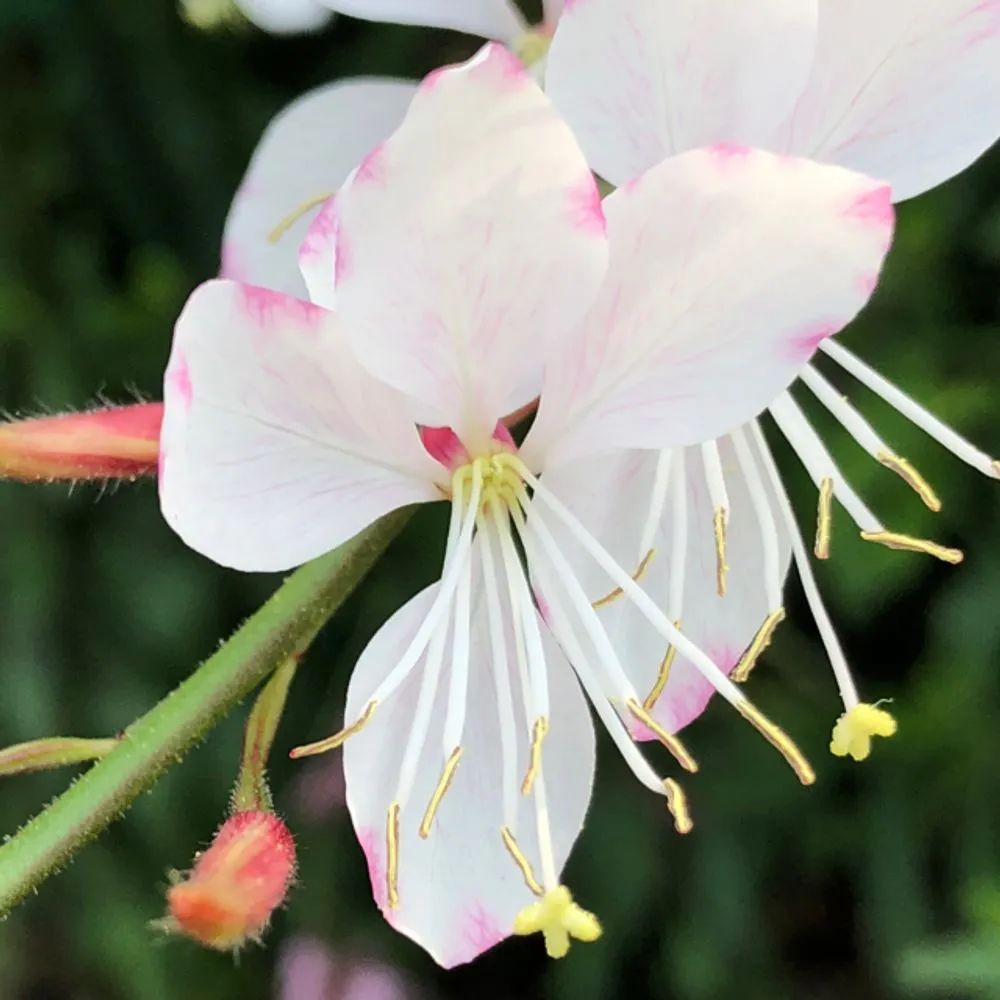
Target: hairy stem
{"x": 282, "y": 627}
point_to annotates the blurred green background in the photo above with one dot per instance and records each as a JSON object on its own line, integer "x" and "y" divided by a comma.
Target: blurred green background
{"x": 123, "y": 133}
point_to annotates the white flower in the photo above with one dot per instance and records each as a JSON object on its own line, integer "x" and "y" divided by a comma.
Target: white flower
{"x": 902, "y": 91}
{"x": 472, "y": 266}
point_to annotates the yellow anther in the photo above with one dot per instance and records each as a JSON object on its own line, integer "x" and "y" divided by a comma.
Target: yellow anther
{"x": 289, "y": 220}
{"x": 558, "y": 918}
{"x": 996, "y": 468}
{"x": 538, "y": 734}
{"x": 780, "y": 740}
{"x": 824, "y": 520}
{"x": 640, "y": 572}
{"x": 912, "y": 478}
{"x": 332, "y": 742}
{"x": 392, "y": 856}
{"x": 852, "y": 735}
{"x": 671, "y": 742}
{"x": 743, "y": 669}
{"x": 662, "y": 676}
{"x": 439, "y": 792}
{"x": 677, "y": 804}
{"x": 521, "y": 861}
{"x": 904, "y": 543}
{"x": 721, "y": 566}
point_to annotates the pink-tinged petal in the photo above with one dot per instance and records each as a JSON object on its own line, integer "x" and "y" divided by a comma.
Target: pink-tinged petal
{"x": 286, "y": 17}
{"x": 725, "y": 271}
{"x": 499, "y": 19}
{"x": 611, "y": 498}
{"x": 902, "y": 90}
{"x": 276, "y": 445}
{"x": 459, "y": 890}
{"x": 640, "y": 80}
{"x": 306, "y": 152}
{"x": 473, "y": 245}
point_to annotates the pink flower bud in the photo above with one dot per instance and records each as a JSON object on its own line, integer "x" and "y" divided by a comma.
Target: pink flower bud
{"x": 228, "y": 897}
{"x": 120, "y": 442}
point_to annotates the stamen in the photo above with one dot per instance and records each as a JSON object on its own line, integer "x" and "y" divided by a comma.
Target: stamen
{"x": 780, "y": 740}
{"x": 670, "y": 741}
{"x": 912, "y": 410}
{"x": 392, "y": 856}
{"x": 742, "y": 670}
{"x": 558, "y": 918}
{"x": 773, "y": 570}
{"x": 338, "y": 739}
{"x": 824, "y": 520}
{"x": 289, "y": 220}
{"x": 904, "y": 543}
{"x": 439, "y": 792}
{"x": 864, "y": 434}
{"x": 679, "y": 537}
{"x": 657, "y": 501}
{"x": 521, "y": 861}
{"x": 565, "y": 634}
{"x": 912, "y": 478}
{"x": 501, "y": 678}
{"x": 677, "y": 804}
{"x": 721, "y": 567}
{"x": 818, "y": 461}
{"x": 641, "y": 600}
{"x": 716, "y": 480}
{"x": 854, "y": 731}
{"x": 662, "y": 677}
{"x": 538, "y": 733}
{"x": 639, "y": 573}
{"x": 828, "y": 635}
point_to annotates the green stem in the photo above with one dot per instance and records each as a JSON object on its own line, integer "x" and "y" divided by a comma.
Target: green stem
{"x": 283, "y": 626}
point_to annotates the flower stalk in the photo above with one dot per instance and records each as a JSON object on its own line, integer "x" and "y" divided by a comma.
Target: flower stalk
{"x": 160, "y": 738}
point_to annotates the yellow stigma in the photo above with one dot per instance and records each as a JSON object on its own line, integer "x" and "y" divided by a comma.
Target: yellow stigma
{"x": 854, "y": 731}
{"x": 558, "y": 918}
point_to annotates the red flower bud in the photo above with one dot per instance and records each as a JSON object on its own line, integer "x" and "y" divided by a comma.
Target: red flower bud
{"x": 228, "y": 897}
{"x": 120, "y": 442}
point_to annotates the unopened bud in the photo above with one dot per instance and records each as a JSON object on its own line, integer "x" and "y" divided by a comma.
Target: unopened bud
{"x": 227, "y": 899}
{"x": 119, "y": 442}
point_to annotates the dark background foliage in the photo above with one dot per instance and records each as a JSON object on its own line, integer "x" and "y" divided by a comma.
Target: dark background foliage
{"x": 123, "y": 133}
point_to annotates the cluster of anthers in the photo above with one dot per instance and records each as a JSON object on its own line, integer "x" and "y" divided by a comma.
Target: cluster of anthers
{"x": 491, "y": 503}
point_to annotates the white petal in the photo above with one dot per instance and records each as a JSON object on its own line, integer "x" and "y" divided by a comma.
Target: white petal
{"x": 640, "y": 80}
{"x": 728, "y": 267}
{"x": 468, "y": 243}
{"x": 276, "y": 445}
{"x": 901, "y": 90}
{"x": 306, "y": 152}
{"x": 611, "y": 498}
{"x": 497, "y": 19}
{"x": 459, "y": 890}
{"x": 285, "y": 16}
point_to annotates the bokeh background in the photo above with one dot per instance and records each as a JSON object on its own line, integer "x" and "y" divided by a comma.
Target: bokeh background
{"x": 123, "y": 133}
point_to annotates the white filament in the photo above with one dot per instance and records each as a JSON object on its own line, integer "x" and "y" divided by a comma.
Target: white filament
{"x": 711, "y": 672}
{"x": 501, "y": 679}
{"x": 841, "y": 671}
{"x": 911, "y": 409}
{"x": 454, "y": 720}
{"x": 847, "y": 415}
{"x": 765, "y": 519}
{"x": 715, "y": 478}
{"x": 657, "y": 502}
{"x": 678, "y": 541}
{"x": 818, "y": 461}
